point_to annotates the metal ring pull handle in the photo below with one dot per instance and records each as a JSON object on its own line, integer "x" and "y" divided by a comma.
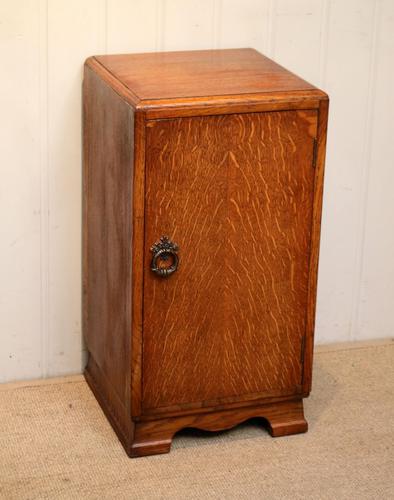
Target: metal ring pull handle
{"x": 164, "y": 250}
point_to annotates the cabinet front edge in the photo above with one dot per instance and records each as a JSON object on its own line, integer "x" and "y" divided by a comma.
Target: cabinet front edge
{"x": 230, "y": 104}
{"x": 119, "y": 87}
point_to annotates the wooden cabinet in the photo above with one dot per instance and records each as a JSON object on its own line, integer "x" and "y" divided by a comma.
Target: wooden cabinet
{"x": 203, "y": 178}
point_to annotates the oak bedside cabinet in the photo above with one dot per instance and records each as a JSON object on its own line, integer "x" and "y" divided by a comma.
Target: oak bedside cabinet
{"x": 203, "y": 175}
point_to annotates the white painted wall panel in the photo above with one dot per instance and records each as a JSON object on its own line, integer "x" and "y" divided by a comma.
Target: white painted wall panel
{"x": 187, "y": 25}
{"x": 300, "y": 54}
{"x": 75, "y": 31}
{"x": 345, "y": 46}
{"x": 347, "y": 80}
{"x": 20, "y": 151}
{"x": 132, "y": 26}
{"x": 376, "y": 302}
{"x": 243, "y": 24}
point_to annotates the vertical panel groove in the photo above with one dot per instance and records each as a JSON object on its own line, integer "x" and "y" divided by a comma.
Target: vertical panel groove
{"x": 106, "y": 25}
{"x": 268, "y": 25}
{"x": 324, "y": 33}
{"x": 44, "y": 185}
{"x": 271, "y": 20}
{"x": 365, "y": 174}
{"x": 160, "y": 24}
{"x": 216, "y": 22}
{"x": 102, "y": 29}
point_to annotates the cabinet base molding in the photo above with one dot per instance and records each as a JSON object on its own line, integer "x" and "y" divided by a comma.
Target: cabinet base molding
{"x": 152, "y": 437}
{"x": 155, "y": 436}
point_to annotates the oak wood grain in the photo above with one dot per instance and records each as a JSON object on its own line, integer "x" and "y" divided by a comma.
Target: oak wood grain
{"x": 315, "y": 245}
{"x": 219, "y": 105}
{"x": 223, "y": 151}
{"x": 282, "y": 419}
{"x": 138, "y": 249}
{"x": 108, "y": 170}
{"x": 204, "y": 82}
{"x": 161, "y": 75}
{"x": 235, "y": 192}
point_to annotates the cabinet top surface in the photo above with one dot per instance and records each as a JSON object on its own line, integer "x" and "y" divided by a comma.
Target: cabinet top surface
{"x": 202, "y": 73}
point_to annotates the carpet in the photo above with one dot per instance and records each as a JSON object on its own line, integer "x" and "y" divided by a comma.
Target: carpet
{"x": 55, "y": 443}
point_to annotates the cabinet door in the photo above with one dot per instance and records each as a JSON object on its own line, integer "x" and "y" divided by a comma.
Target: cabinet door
{"x": 235, "y": 193}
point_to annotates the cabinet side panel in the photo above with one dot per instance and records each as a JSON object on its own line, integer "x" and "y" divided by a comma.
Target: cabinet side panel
{"x": 315, "y": 245}
{"x": 107, "y": 232}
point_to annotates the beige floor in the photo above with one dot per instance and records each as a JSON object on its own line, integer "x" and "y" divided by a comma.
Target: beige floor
{"x": 56, "y": 443}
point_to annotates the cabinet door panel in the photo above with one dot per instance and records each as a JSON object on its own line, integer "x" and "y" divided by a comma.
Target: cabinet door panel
{"x": 235, "y": 192}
